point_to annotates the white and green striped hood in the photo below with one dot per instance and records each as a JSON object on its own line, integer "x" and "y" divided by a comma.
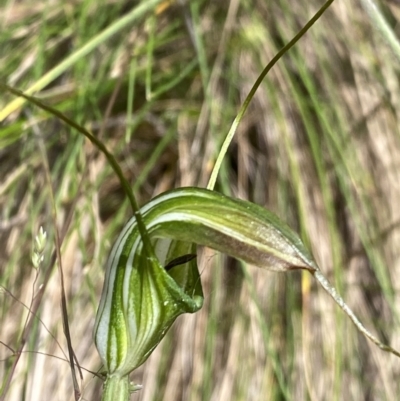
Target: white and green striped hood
{"x": 141, "y": 299}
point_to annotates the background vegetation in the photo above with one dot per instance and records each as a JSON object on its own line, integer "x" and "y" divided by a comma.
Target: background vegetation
{"x": 319, "y": 145}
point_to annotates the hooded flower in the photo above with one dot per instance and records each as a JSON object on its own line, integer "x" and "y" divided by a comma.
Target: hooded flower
{"x": 141, "y": 298}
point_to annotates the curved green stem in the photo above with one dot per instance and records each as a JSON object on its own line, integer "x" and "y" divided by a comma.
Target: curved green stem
{"x": 110, "y": 158}
{"x": 245, "y": 105}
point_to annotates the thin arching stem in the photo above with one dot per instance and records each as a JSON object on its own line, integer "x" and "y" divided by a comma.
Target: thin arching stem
{"x": 245, "y": 105}
{"x": 339, "y": 300}
{"x": 99, "y": 144}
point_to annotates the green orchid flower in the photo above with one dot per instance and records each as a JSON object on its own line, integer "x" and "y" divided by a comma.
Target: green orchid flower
{"x": 141, "y": 298}
{"x": 143, "y": 294}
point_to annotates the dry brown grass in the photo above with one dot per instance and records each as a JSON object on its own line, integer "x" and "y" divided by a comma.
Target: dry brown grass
{"x": 320, "y": 146}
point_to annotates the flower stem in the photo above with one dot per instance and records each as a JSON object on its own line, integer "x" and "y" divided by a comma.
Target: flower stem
{"x": 116, "y": 388}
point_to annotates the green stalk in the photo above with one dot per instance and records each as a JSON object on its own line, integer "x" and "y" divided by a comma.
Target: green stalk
{"x": 116, "y": 388}
{"x": 96, "y": 142}
{"x": 245, "y": 105}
